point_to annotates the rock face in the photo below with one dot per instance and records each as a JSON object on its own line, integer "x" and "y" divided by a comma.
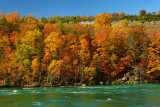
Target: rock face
{"x": 87, "y": 22}
{"x": 153, "y": 24}
{"x": 129, "y": 78}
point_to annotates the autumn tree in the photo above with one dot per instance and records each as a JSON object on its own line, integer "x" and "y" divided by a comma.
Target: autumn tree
{"x": 53, "y": 47}
{"x": 2, "y": 15}
{"x": 28, "y": 23}
{"x": 142, "y": 12}
{"x": 121, "y": 25}
{"x": 60, "y": 51}
{"x": 26, "y": 51}
{"x": 153, "y": 64}
{"x": 44, "y": 20}
{"x": 103, "y": 19}
{"x": 35, "y": 66}
{"x": 4, "y": 54}
{"x": 48, "y": 28}
{"x": 158, "y": 13}
{"x": 115, "y": 15}
{"x": 122, "y": 14}
{"x": 13, "y": 17}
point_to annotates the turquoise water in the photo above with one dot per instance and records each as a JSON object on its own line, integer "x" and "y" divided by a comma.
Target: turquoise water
{"x": 141, "y": 95}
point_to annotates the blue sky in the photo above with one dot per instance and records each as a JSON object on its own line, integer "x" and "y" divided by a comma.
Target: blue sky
{"x": 48, "y": 8}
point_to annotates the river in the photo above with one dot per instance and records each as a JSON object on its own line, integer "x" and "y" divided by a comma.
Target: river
{"x": 140, "y": 95}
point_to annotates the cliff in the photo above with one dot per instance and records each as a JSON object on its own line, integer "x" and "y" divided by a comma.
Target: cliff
{"x": 153, "y": 24}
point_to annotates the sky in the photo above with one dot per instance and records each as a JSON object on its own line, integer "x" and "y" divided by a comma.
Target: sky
{"x": 48, "y": 8}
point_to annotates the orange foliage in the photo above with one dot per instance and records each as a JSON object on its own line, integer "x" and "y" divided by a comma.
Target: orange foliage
{"x": 121, "y": 14}
{"x": 102, "y": 35}
{"x": 13, "y": 17}
{"x": 48, "y": 28}
{"x": 13, "y": 35}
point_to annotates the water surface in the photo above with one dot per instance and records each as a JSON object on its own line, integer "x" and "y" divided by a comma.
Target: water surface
{"x": 141, "y": 95}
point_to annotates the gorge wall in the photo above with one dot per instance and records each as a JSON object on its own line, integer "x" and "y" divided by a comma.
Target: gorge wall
{"x": 153, "y": 24}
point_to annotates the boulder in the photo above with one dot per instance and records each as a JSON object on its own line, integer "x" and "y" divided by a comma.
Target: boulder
{"x": 152, "y": 23}
{"x": 77, "y": 84}
{"x": 107, "y": 83}
{"x": 101, "y": 83}
{"x": 145, "y": 81}
{"x": 127, "y": 82}
{"x": 124, "y": 79}
{"x": 83, "y": 85}
{"x": 135, "y": 82}
{"x": 113, "y": 82}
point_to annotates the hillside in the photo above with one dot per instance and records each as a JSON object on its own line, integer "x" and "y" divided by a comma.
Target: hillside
{"x": 34, "y": 52}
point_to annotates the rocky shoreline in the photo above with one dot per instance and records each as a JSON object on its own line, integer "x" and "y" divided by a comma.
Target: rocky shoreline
{"x": 83, "y": 85}
{"x": 128, "y": 78}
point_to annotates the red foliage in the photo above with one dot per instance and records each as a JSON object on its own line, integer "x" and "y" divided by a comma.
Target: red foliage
{"x": 46, "y": 60}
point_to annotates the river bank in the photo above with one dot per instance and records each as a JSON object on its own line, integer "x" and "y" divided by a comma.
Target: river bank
{"x": 117, "y": 82}
{"x": 128, "y": 78}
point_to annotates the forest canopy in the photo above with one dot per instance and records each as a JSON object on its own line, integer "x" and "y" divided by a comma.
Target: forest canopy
{"x": 59, "y": 50}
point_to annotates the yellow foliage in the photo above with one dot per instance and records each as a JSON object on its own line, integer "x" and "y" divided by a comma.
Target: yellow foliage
{"x": 31, "y": 37}
{"x": 103, "y": 19}
{"x": 120, "y": 25}
{"x": 53, "y": 42}
{"x": 29, "y": 24}
{"x": 90, "y": 72}
{"x": 55, "y": 67}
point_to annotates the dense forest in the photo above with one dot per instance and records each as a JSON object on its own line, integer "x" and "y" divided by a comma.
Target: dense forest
{"x": 59, "y": 50}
